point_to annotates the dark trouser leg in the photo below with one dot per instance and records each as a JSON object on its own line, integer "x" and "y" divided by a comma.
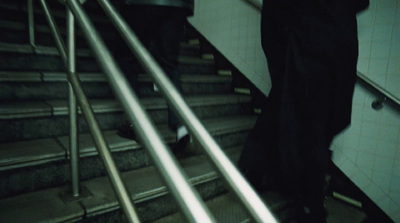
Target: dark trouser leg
{"x": 167, "y": 50}
{"x": 313, "y": 80}
{"x": 142, "y": 22}
{"x": 260, "y": 160}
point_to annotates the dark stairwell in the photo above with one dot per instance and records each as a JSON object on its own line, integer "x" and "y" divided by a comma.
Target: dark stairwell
{"x": 34, "y": 156}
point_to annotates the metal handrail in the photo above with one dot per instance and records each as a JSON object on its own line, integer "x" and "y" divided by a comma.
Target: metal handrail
{"x": 188, "y": 200}
{"x": 386, "y": 95}
{"x": 100, "y": 143}
{"x": 254, "y": 205}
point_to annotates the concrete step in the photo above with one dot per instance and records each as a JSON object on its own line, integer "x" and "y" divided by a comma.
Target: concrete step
{"x": 19, "y": 86}
{"x": 36, "y": 164}
{"x": 18, "y": 12}
{"x": 44, "y": 50}
{"x": 21, "y": 58}
{"x": 192, "y": 84}
{"x": 227, "y": 209}
{"x": 14, "y": 25}
{"x": 16, "y": 33}
{"x": 145, "y": 186}
{"x": 41, "y": 119}
{"x": 57, "y": 8}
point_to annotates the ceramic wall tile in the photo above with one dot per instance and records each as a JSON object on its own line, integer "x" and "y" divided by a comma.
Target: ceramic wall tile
{"x": 369, "y": 150}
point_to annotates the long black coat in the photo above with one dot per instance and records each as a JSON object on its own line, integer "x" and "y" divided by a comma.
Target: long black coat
{"x": 311, "y": 47}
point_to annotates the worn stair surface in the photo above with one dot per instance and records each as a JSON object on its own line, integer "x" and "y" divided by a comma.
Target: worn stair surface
{"x": 145, "y": 185}
{"x": 34, "y": 148}
{"x": 34, "y": 154}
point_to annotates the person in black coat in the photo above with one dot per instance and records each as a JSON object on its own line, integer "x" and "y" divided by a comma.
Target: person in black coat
{"x": 159, "y": 24}
{"x": 311, "y": 48}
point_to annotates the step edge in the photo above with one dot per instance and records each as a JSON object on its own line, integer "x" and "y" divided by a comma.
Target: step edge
{"x": 206, "y": 176}
{"x": 59, "y": 107}
{"x": 89, "y": 152}
{"x": 82, "y": 52}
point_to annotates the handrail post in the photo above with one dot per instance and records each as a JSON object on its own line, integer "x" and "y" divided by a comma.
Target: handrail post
{"x": 31, "y": 23}
{"x": 99, "y": 141}
{"x": 73, "y": 111}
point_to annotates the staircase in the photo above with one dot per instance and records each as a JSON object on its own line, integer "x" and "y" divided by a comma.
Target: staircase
{"x": 34, "y": 152}
{"x": 34, "y": 157}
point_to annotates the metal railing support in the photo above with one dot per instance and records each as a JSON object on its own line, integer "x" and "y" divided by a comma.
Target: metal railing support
{"x": 31, "y": 24}
{"x": 386, "y": 95}
{"x": 73, "y": 109}
{"x": 253, "y": 203}
{"x": 104, "y": 152}
{"x": 188, "y": 199}
{"x": 55, "y": 32}
{"x": 100, "y": 143}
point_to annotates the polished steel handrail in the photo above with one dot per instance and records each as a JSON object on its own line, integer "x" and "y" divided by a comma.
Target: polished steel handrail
{"x": 188, "y": 199}
{"x": 31, "y": 27}
{"x": 386, "y": 94}
{"x": 100, "y": 143}
{"x": 254, "y": 205}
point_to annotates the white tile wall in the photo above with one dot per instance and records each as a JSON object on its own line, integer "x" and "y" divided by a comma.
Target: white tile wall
{"x": 379, "y": 38}
{"x": 377, "y": 160}
{"x": 233, "y": 27}
{"x": 368, "y": 151}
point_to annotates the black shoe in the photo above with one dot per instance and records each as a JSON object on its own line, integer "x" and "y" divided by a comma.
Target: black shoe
{"x": 126, "y": 131}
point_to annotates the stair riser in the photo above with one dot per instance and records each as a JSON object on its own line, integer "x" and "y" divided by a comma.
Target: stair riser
{"x": 17, "y": 36}
{"x": 29, "y": 179}
{"x": 33, "y": 128}
{"x": 20, "y": 91}
{"x": 23, "y": 62}
{"x": 47, "y": 91}
{"x": 146, "y": 89}
{"x": 58, "y": 173}
{"x": 46, "y": 39}
{"x": 40, "y": 18}
{"x": 159, "y": 207}
{"x": 163, "y": 206}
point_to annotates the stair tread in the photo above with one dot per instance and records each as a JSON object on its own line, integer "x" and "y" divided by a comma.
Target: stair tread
{"x": 193, "y": 78}
{"x": 27, "y": 109}
{"x": 52, "y": 51}
{"x": 11, "y": 110}
{"x": 24, "y": 152}
{"x": 30, "y": 207}
{"x": 28, "y": 153}
{"x": 57, "y": 13}
{"x": 146, "y": 183}
{"x": 41, "y": 50}
{"x": 143, "y": 184}
{"x": 35, "y": 76}
{"x": 226, "y": 208}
